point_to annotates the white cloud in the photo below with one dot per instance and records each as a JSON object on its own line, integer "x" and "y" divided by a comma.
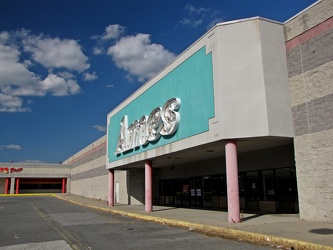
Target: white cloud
{"x": 90, "y": 77}
{"x": 20, "y": 50}
{"x": 100, "y": 128}
{"x": 113, "y": 31}
{"x": 11, "y": 146}
{"x": 10, "y": 103}
{"x": 136, "y": 54}
{"x": 4, "y": 36}
{"x": 197, "y": 16}
{"x": 98, "y": 51}
{"x": 190, "y": 8}
{"x": 139, "y": 57}
{"x": 59, "y": 86}
{"x": 66, "y": 75}
{"x": 110, "y": 86}
{"x": 56, "y": 53}
{"x": 11, "y": 70}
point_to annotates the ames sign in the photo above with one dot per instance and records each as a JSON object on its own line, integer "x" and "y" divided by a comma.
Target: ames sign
{"x": 161, "y": 121}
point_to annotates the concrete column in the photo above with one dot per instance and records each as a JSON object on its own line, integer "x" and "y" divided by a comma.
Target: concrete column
{"x": 17, "y": 185}
{"x": 68, "y": 184}
{"x": 12, "y": 185}
{"x": 6, "y": 185}
{"x": 232, "y": 181}
{"x": 148, "y": 186}
{"x": 111, "y": 188}
{"x": 63, "y": 189}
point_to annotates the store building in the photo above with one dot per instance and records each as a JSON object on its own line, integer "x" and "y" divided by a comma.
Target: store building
{"x": 225, "y": 98}
{"x": 241, "y": 120}
{"x": 234, "y": 125}
{"x": 22, "y": 178}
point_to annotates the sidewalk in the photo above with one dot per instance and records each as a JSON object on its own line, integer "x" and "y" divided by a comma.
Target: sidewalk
{"x": 285, "y": 231}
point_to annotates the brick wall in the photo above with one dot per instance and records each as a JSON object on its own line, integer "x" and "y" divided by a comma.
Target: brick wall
{"x": 309, "y": 45}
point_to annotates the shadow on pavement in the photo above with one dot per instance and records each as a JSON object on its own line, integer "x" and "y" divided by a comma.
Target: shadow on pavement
{"x": 322, "y": 231}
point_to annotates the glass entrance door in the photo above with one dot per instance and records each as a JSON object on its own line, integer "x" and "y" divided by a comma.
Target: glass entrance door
{"x": 196, "y": 199}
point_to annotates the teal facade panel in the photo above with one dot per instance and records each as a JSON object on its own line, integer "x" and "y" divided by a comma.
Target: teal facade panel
{"x": 192, "y": 82}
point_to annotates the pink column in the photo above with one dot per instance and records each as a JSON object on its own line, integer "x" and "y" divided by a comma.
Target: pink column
{"x": 6, "y": 185}
{"x": 232, "y": 181}
{"x": 63, "y": 189}
{"x": 148, "y": 186}
{"x": 17, "y": 185}
{"x": 111, "y": 188}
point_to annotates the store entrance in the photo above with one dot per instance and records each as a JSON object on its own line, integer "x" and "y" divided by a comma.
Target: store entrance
{"x": 270, "y": 190}
{"x": 196, "y": 192}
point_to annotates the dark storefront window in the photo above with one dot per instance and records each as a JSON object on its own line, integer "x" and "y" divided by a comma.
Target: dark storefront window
{"x": 268, "y": 185}
{"x": 185, "y": 192}
{"x": 272, "y": 190}
{"x": 219, "y": 185}
{"x": 207, "y": 191}
{"x": 286, "y": 189}
{"x": 252, "y": 190}
{"x": 178, "y": 192}
{"x": 167, "y": 192}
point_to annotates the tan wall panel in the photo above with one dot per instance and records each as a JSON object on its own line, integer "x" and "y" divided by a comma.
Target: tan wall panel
{"x": 314, "y": 157}
{"x": 308, "y": 19}
{"x": 312, "y": 84}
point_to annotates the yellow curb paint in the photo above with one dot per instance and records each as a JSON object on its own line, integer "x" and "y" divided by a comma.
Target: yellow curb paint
{"x": 222, "y": 232}
{"x": 17, "y": 195}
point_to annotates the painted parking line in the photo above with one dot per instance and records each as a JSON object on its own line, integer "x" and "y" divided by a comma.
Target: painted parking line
{"x": 17, "y": 195}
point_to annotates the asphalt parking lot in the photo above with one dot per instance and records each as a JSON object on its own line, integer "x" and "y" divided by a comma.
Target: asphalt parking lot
{"x": 49, "y": 223}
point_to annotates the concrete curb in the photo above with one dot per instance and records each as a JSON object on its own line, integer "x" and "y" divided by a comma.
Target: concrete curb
{"x": 228, "y": 233}
{"x": 12, "y": 195}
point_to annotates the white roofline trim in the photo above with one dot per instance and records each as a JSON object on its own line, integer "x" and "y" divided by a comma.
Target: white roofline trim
{"x": 299, "y": 13}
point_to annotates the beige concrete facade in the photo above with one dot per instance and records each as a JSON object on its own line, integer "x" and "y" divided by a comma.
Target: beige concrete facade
{"x": 89, "y": 176}
{"x": 310, "y": 65}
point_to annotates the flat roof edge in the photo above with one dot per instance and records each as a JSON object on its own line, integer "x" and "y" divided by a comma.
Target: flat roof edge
{"x": 248, "y": 19}
{"x": 302, "y": 11}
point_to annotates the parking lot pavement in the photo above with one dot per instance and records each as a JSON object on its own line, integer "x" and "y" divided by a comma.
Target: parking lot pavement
{"x": 275, "y": 229}
{"x": 45, "y": 222}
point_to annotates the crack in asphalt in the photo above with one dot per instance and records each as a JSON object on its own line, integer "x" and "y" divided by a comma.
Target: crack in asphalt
{"x": 74, "y": 242}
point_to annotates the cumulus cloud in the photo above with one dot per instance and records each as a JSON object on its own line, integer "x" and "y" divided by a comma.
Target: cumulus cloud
{"x": 11, "y": 146}
{"x": 90, "y": 76}
{"x": 21, "y": 50}
{"x": 198, "y": 16}
{"x": 100, "y": 128}
{"x": 98, "y": 51}
{"x": 135, "y": 54}
{"x": 113, "y": 31}
{"x": 56, "y": 53}
{"x": 10, "y": 103}
{"x": 12, "y": 71}
{"x": 139, "y": 57}
{"x": 59, "y": 86}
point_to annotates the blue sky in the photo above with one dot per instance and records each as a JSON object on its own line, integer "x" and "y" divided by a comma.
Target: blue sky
{"x": 65, "y": 64}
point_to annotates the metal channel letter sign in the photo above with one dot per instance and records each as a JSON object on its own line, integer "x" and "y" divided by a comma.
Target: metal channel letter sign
{"x": 161, "y": 121}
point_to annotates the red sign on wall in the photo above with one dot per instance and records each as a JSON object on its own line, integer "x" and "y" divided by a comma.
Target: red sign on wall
{"x": 10, "y": 170}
